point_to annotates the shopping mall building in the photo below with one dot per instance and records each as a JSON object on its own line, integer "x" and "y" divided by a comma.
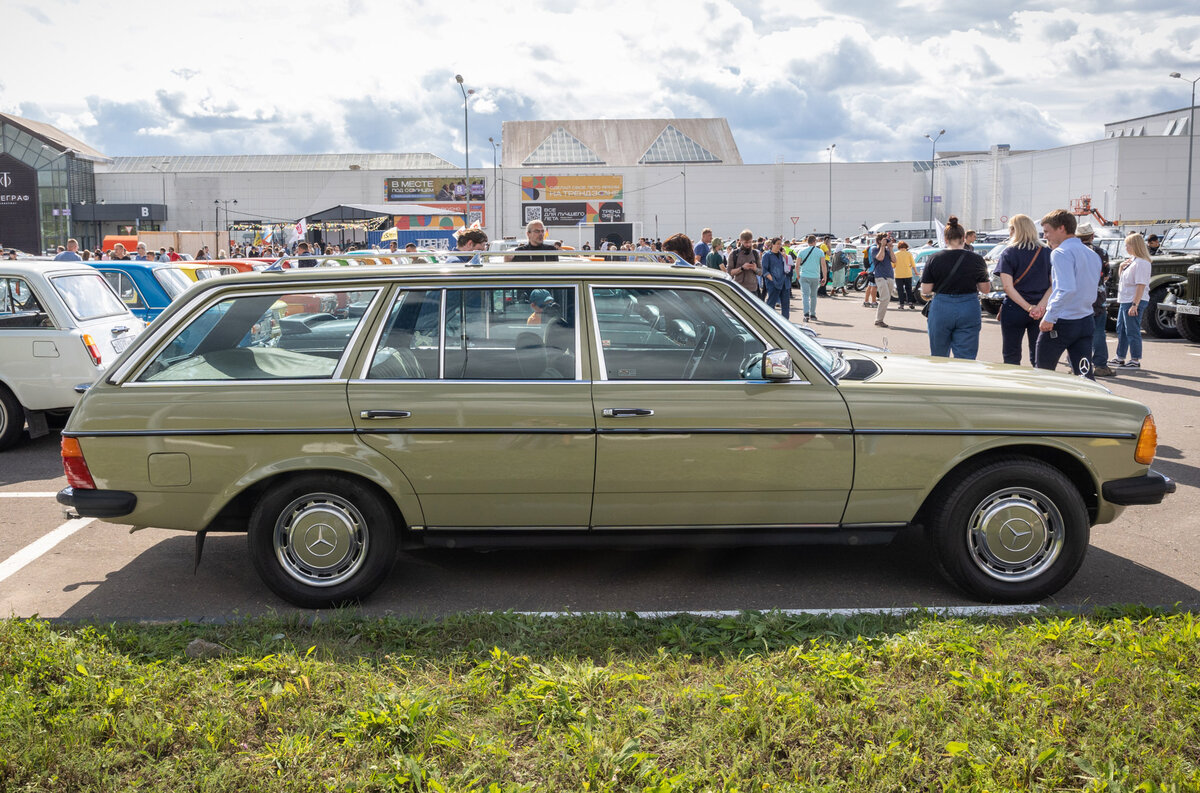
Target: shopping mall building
{"x": 585, "y": 179}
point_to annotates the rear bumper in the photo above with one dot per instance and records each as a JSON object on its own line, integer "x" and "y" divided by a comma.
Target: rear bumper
{"x": 97, "y": 503}
{"x": 1148, "y": 489}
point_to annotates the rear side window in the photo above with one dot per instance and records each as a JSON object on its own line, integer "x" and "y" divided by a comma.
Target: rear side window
{"x": 271, "y": 336}
{"x": 19, "y": 306}
{"x": 123, "y": 285}
{"x": 88, "y": 296}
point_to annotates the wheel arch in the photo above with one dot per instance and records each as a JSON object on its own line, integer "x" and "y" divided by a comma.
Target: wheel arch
{"x": 397, "y": 494}
{"x": 1067, "y": 462}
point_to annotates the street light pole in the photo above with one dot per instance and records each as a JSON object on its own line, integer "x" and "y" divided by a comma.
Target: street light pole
{"x": 1191, "y": 140}
{"x": 829, "y": 229}
{"x": 685, "y": 219}
{"x": 496, "y": 185}
{"x": 932, "y": 172}
{"x": 217, "y": 219}
{"x": 458, "y": 78}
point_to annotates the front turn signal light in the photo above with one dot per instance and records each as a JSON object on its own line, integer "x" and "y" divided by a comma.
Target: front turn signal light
{"x": 1147, "y": 443}
{"x": 75, "y": 467}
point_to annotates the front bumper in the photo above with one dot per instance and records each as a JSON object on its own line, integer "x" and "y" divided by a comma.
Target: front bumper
{"x": 97, "y": 503}
{"x": 1147, "y": 489}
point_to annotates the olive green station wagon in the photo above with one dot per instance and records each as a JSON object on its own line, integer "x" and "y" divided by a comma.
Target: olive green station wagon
{"x": 584, "y": 402}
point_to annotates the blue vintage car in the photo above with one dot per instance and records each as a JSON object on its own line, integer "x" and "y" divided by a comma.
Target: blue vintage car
{"x": 145, "y": 287}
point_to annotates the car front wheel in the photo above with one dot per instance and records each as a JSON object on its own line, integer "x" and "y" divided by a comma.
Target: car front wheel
{"x": 1013, "y": 530}
{"x": 320, "y": 541}
{"x": 1159, "y": 323}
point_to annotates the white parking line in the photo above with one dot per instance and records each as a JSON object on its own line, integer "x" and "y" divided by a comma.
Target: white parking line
{"x": 20, "y": 494}
{"x": 946, "y": 611}
{"x": 38, "y": 547}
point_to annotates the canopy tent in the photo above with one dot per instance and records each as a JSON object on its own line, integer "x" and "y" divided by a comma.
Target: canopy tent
{"x": 343, "y": 212}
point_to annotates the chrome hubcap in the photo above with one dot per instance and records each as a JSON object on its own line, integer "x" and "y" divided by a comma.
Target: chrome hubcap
{"x": 321, "y": 539}
{"x": 1015, "y": 534}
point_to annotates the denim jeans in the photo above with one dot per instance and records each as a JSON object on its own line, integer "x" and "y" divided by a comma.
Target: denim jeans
{"x": 954, "y": 324}
{"x": 1100, "y": 341}
{"x": 1016, "y": 327}
{"x": 1129, "y": 331}
{"x": 781, "y": 294}
{"x": 808, "y": 295}
{"x": 1075, "y": 337}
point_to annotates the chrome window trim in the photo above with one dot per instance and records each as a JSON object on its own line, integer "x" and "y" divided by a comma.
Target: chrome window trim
{"x": 228, "y": 383}
{"x": 699, "y": 287}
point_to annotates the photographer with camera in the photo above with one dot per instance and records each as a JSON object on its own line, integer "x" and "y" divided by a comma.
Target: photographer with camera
{"x": 882, "y": 255}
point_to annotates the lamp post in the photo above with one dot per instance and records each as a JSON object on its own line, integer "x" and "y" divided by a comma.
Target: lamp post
{"x": 932, "y": 171}
{"x": 496, "y": 185}
{"x": 1191, "y": 140}
{"x": 829, "y": 229}
{"x": 162, "y": 172}
{"x": 458, "y": 78}
{"x": 685, "y": 219}
{"x": 217, "y": 219}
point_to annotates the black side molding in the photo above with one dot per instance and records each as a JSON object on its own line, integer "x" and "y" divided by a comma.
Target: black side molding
{"x": 1148, "y": 489}
{"x": 97, "y": 503}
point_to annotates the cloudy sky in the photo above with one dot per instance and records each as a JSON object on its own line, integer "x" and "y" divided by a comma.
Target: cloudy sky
{"x": 791, "y": 76}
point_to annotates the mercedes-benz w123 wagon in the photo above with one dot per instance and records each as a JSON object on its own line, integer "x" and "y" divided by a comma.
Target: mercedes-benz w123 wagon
{"x": 491, "y": 403}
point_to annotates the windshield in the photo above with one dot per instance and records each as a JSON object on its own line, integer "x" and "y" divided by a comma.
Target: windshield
{"x": 88, "y": 296}
{"x": 825, "y": 358}
{"x": 1182, "y": 238}
{"x": 173, "y": 280}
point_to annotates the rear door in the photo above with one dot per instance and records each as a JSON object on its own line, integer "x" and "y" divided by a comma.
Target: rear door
{"x": 479, "y": 396}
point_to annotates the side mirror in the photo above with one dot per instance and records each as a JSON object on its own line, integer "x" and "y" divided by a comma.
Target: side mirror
{"x": 769, "y": 365}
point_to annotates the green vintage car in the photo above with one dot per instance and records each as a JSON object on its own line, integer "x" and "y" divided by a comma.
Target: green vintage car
{"x": 582, "y": 402}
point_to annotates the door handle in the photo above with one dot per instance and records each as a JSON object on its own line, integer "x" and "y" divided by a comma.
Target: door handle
{"x": 119, "y": 329}
{"x": 625, "y": 413}
{"x": 385, "y": 414}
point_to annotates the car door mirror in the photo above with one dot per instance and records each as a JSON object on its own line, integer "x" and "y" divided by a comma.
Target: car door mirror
{"x": 770, "y": 365}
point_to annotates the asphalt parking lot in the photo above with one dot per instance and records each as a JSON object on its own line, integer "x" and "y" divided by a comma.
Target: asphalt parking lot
{"x": 88, "y": 569}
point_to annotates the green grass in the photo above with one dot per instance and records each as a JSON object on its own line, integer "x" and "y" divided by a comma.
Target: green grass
{"x": 763, "y": 702}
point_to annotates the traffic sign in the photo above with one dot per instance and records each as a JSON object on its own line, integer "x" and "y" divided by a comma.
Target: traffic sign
{"x": 795, "y": 219}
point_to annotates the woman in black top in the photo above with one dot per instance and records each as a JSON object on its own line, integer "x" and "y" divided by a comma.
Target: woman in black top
{"x": 1024, "y": 270}
{"x": 956, "y": 277}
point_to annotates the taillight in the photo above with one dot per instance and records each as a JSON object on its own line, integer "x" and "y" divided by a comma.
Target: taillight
{"x": 75, "y": 467}
{"x": 1147, "y": 443}
{"x": 92, "y": 349}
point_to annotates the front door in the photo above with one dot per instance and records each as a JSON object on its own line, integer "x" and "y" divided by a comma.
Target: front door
{"x": 684, "y": 440}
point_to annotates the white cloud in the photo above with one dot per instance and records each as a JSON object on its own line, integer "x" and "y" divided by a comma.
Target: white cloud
{"x": 135, "y": 77}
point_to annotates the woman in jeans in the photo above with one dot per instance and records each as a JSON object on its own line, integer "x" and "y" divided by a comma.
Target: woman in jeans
{"x": 810, "y": 263}
{"x": 1131, "y": 296}
{"x": 776, "y": 279}
{"x": 1024, "y": 270}
{"x": 956, "y": 277}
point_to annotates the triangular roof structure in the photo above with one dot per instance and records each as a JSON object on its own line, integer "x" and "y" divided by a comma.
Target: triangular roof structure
{"x": 562, "y": 148}
{"x": 56, "y": 137}
{"x": 672, "y": 146}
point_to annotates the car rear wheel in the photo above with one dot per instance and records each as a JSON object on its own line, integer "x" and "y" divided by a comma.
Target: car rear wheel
{"x": 1158, "y": 323}
{"x": 322, "y": 540}
{"x": 1012, "y": 530}
{"x": 12, "y": 418}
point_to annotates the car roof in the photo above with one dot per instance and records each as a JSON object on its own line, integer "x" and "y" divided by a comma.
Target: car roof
{"x": 43, "y": 267}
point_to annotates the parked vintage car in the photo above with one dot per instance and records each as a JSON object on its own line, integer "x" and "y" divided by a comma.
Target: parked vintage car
{"x": 585, "y": 403}
{"x": 145, "y": 287}
{"x": 60, "y": 328}
{"x": 1174, "y": 292}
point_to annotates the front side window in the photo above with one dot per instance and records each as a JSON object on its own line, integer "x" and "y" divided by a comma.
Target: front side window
{"x": 88, "y": 296}
{"x": 263, "y": 336}
{"x": 671, "y": 334}
{"x": 509, "y": 333}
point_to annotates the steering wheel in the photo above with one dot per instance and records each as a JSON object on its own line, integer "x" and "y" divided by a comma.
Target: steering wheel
{"x": 698, "y": 352}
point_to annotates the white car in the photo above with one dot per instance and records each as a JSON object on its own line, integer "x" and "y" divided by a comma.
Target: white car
{"x": 61, "y": 326}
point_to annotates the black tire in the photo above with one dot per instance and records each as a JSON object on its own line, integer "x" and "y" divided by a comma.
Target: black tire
{"x": 978, "y": 526}
{"x": 12, "y": 419}
{"x": 1188, "y": 326}
{"x": 351, "y": 540}
{"x": 860, "y": 281}
{"x": 1157, "y": 323}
